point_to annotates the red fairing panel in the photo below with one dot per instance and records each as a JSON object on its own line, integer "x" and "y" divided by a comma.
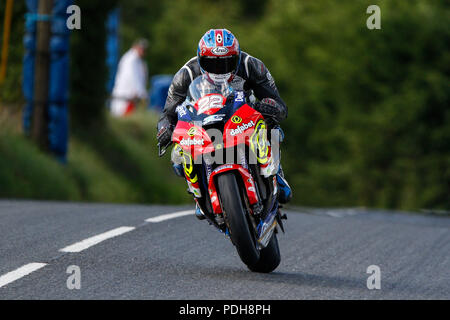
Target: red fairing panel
{"x": 192, "y": 139}
{"x": 241, "y": 126}
{"x": 246, "y": 177}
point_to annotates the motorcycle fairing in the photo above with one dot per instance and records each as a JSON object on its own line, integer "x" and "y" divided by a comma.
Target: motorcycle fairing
{"x": 192, "y": 138}
{"x": 192, "y": 179}
{"x": 241, "y": 126}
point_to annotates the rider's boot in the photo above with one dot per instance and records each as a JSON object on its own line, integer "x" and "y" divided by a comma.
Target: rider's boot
{"x": 178, "y": 169}
{"x": 284, "y": 190}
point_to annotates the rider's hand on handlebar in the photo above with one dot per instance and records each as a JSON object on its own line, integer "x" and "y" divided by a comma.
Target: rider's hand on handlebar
{"x": 165, "y": 130}
{"x": 268, "y": 108}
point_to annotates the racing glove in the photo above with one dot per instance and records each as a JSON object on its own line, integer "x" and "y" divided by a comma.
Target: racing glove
{"x": 165, "y": 130}
{"x": 269, "y": 108}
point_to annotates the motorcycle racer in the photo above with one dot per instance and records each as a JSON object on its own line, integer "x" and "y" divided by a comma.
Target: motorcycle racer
{"x": 220, "y": 58}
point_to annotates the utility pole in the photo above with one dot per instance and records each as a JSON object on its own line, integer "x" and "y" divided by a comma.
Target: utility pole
{"x": 39, "y": 122}
{"x": 6, "y": 34}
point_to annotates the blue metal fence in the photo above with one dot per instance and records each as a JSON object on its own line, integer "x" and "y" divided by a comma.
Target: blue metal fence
{"x": 57, "y": 108}
{"x": 112, "y": 46}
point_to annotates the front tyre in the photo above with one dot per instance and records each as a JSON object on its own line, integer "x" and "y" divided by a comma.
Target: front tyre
{"x": 236, "y": 219}
{"x": 269, "y": 257}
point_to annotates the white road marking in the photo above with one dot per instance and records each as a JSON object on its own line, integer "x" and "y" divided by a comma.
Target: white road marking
{"x": 334, "y": 214}
{"x": 20, "y": 273}
{"x": 82, "y": 245}
{"x": 341, "y": 213}
{"x": 170, "y": 216}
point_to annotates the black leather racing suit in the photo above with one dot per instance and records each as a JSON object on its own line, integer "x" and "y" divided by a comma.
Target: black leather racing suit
{"x": 252, "y": 74}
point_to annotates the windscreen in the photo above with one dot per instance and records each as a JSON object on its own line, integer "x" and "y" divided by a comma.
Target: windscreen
{"x": 201, "y": 87}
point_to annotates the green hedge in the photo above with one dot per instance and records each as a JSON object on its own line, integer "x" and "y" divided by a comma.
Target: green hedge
{"x": 119, "y": 166}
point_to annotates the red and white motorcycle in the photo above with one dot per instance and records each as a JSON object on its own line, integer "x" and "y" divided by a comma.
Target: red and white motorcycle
{"x": 222, "y": 149}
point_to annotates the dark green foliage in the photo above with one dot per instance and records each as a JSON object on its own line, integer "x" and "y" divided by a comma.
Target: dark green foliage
{"x": 369, "y": 110}
{"x": 88, "y": 66}
{"x": 119, "y": 165}
{"x": 25, "y": 172}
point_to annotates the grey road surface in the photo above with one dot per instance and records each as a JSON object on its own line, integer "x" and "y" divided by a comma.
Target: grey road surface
{"x": 325, "y": 255}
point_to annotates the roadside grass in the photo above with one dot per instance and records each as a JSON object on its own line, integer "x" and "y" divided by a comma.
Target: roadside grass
{"x": 116, "y": 164}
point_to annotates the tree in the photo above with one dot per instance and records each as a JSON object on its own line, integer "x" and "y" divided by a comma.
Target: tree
{"x": 89, "y": 72}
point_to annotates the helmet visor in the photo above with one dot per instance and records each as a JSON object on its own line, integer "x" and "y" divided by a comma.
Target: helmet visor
{"x": 219, "y": 65}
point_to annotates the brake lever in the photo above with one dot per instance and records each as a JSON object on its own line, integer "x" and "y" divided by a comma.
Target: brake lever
{"x": 162, "y": 150}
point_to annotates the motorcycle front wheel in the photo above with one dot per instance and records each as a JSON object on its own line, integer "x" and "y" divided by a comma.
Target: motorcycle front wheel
{"x": 265, "y": 260}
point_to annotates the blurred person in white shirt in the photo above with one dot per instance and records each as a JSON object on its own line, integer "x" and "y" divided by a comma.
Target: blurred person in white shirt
{"x": 131, "y": 80}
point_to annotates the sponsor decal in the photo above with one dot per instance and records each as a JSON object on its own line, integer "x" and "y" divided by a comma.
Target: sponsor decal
{"x": 242, "y": 128}
{"x": 192, "y": 131}
{"x": 181, "y": 110}
{"x": 222, "y": 168}
{"x": 237, "y": 83}
{"x": 220, "y": 51}
{"x": 213, "y": 118}
{"x": 192, "y": 142}
{"x": 244, "y": 162}
{"x": 197, "y": 193}
{"x": 195, "y": 190}
{"x": 240, "y": 97}
{"x": 208, "y": 172}
{"x": 271, "y": 80}
{"x": 236, "y": 120}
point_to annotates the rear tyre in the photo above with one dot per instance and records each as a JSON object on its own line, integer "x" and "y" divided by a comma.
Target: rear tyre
{"x": 236, "y": 220}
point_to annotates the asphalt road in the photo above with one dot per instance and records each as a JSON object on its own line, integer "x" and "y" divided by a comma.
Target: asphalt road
{"x": 325, "y": 255}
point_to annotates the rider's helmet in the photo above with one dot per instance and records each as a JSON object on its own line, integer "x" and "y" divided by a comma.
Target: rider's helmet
{"x": 219, "y": 55}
